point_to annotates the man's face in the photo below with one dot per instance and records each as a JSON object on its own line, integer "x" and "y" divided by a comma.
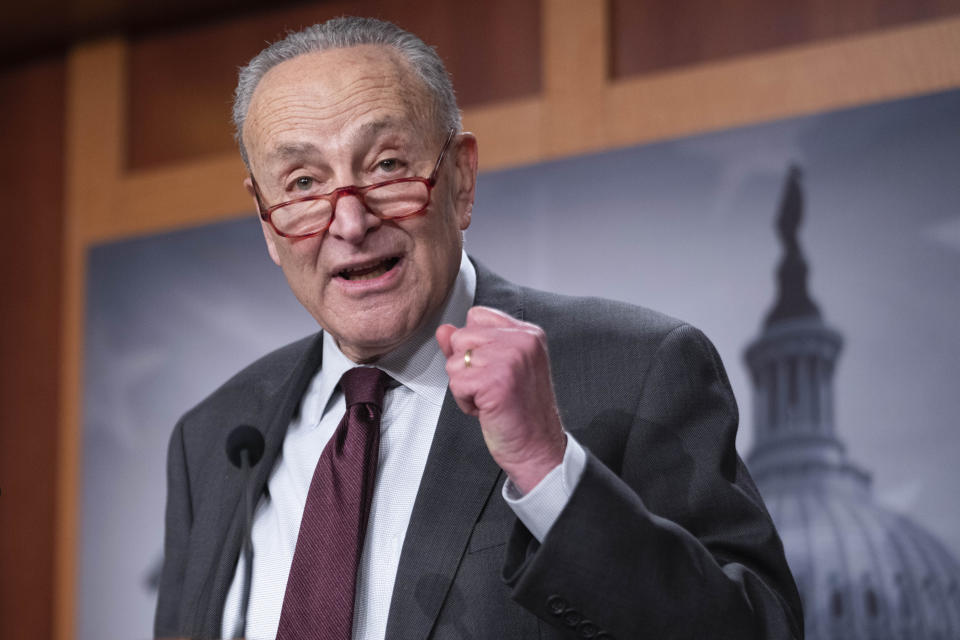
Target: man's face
{"x": 358, "y": 116}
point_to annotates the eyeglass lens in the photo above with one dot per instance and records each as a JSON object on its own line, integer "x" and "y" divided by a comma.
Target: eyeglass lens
{"x": 386, "y": 201}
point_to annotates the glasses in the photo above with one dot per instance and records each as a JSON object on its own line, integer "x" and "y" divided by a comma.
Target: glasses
{"x": 389, "y": 200}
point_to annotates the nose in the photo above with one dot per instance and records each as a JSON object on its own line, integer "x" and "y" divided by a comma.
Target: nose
{"x": 351, "y": 220}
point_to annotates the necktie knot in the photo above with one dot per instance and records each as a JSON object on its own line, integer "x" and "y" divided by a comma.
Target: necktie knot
{"x": 364, "y": 385}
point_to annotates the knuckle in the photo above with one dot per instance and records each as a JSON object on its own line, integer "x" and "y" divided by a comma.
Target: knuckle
{"x": 507, "y": 379}
{"x": 536, "y": 336}
{"x": 476, "y": 314}
{"x": 459, "y": 390}
{"x": 516, "y": 353}
{"x": 457, "y": 339}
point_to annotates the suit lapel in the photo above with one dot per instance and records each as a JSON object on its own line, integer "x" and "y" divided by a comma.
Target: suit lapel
{"x": 457, "y": 482}
{"x": 209, "y": 606}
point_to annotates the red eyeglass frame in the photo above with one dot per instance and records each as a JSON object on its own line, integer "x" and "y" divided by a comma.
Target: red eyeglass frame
{"x": 266, "y": 213}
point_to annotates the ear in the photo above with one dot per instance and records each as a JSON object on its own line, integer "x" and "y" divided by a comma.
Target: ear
{"x": 465, "y": 177}
{"x": 268, "y": 233}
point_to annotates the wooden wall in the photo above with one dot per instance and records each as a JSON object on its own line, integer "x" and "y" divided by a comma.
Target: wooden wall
{"x": 652, "y": 35}
{"x": 130, "y": 136}
{"x": 31, "y": 184}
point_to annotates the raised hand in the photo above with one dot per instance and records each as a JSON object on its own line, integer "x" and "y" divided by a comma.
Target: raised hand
{"x": 499, "y": 372}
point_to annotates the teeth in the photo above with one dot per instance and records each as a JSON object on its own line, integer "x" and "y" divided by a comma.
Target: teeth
{"x": 376, "y": 273}
{"x": 370, "y": 273}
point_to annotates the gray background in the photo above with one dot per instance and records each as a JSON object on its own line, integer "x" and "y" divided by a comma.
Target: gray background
{"x": 685, "y": 227}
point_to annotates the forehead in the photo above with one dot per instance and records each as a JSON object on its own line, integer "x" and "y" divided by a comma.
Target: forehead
{"x": 332, "y": 94}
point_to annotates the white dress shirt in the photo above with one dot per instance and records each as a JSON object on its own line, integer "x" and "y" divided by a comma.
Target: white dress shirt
{"x": 410, "y": 414}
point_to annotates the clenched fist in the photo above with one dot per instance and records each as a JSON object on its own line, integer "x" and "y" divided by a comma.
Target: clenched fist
{"x": 506, "y": 385}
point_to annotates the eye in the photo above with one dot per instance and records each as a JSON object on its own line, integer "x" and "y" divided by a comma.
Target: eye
{"x": 303, "y": 183}
{"x": 388, "y": 165}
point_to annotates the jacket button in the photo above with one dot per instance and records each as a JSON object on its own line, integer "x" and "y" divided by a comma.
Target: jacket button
{"x": 587, "y": 629}
{"x": 557, "y": 605}
{"x": 572, "y": 618}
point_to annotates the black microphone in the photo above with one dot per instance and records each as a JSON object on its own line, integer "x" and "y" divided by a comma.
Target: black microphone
{"x": 244, "y": 449}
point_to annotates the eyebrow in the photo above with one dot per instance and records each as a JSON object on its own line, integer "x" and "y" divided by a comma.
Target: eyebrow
{"x": 371, "y": 129}
{"x": 296, "y": 150}
{"x": 367, "y": 131}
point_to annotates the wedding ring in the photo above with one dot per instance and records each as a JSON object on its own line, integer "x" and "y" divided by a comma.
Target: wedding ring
{"x": 467, "y": 357}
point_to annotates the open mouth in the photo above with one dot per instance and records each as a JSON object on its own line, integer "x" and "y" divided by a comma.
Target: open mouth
{"x": 369, "y": 272}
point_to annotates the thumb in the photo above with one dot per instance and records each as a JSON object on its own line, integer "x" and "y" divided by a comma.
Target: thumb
{"x": 443, "y": 334}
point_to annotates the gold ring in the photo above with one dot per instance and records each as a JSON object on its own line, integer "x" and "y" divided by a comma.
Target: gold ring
{"x": 467, "y": 357}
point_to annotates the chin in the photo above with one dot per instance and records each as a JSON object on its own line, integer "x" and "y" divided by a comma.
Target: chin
{"x": 359, "y": 341}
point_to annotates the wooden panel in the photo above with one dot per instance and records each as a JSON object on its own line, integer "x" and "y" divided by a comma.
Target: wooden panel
{"x": 181, "y": 83}
{"x": 651, "y": 35}
{"x": 30, "y": 30}
{"x": 150, "y": 194}
{"x": 509, "y": 133}
{"x": 797, "y": 81}
{"x": 575, "y": 74}
{"x": 92, "y": 153}
{"x": 31, "y": 174}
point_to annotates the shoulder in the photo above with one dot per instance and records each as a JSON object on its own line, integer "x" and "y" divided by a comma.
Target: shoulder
{"x": 596, "y": 316}
{"x": 249, "y": 394}
{"x": 604, "y": 338}
{"x": 608, "y": 325}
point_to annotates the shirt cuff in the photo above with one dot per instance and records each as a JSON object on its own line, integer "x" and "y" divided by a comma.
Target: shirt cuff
{"x": 541, "y": 507}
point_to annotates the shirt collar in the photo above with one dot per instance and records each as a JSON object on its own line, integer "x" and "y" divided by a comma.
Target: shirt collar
{"x": 418, "y": 363}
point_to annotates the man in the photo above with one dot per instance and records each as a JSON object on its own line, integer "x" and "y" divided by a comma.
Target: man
{"x": 548, "y": 467}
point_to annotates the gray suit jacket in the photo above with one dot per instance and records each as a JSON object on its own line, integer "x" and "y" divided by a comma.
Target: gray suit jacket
{"x": 664, "y": 537}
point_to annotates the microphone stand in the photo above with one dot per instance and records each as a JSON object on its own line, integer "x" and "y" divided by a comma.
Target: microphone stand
{"x": 244, "y": 449}
{"x": 247, "y": 539}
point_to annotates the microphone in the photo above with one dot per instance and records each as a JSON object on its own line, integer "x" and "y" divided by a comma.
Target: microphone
{"x": 245, "y": 440}
{"x": 244, "y": 449}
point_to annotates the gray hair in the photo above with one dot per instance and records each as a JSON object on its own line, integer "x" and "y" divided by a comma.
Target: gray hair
{"x": 340, "y": 33}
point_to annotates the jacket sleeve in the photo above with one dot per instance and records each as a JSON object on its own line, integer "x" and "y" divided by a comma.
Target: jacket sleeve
{"x": 178, "y": 521}
{"x": 672, "y": 540}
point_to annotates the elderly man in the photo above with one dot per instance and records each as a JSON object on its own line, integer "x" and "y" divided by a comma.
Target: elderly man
{"x": 452, "y": 456}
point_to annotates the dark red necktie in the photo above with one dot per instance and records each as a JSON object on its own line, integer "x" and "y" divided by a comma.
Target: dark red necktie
{"x": 318, "y": 603}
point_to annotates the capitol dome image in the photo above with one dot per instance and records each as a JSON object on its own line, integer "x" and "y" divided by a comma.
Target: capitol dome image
{"x": 864, "y": 572}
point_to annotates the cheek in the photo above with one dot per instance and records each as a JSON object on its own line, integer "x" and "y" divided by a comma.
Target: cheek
{"x": 302, "y": 250}
{"x": 452, "y": 236}
{"x": 298, "y": 259}
{"x": 445, "y": 230}
{"x": 438, "y": 244}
